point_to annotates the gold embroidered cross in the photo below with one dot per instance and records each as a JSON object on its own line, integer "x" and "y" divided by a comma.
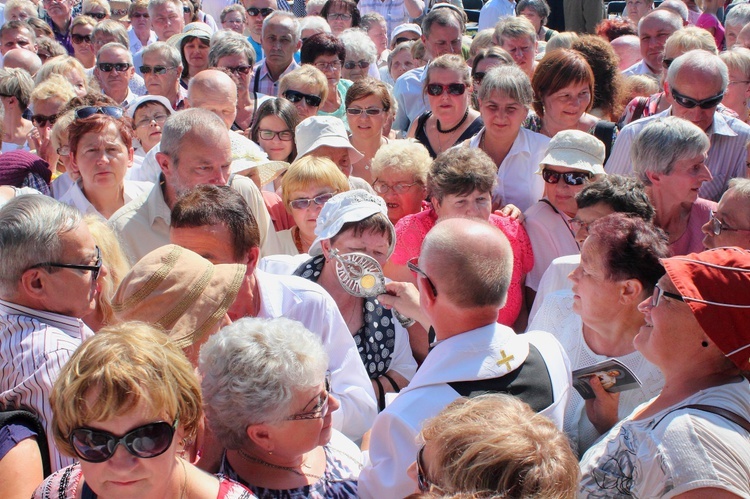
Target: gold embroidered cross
{"x": 505, "y": 360}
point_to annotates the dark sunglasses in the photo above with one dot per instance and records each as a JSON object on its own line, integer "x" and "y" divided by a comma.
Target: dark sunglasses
{"x": 186, "y": 10}
{"x": 241, "y": 69}
{"x": 40, "y": 120}
{"x": 138, "y": 15}
{"x": 422, "y": 482}
{"x": 294, "y": 97}
{"x": 96, "y": 15}
{"x": 79, "y": 39}
{"x": 253, "y": 12}
{"x": 412, "y": 265}
{"x": 690, "y": 103}
{"x": 157, "y": 70}
{"x": 436, "y": 89}
{"x": 120, "y": 67}
{"x": 352, "y": 64}
{"x": 478, "y": 77}
{"x": 147, "y": 441}
{"x": 285, "y": 135}
{"x": 402, "y": 39}
{"x": 304, "y": 203}
{"x": 85, "y": 112}
{"x": 94, "y": 269}
{"x": 570, "y": 178}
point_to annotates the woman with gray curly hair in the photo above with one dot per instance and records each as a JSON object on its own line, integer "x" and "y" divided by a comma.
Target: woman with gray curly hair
{"x": 268, "y": 402}
{"x": 361, "y": 55}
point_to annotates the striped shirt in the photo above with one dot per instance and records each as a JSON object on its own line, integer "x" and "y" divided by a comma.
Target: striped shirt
{"x": 727, "y": 155}
{"x": 34, "y": 345}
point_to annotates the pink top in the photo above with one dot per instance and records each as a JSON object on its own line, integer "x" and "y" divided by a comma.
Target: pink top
{"x": 412, "y": 229}
{"x": 279, "y": 216}
{"x": 691, "y": 240}
{"x": 706, "y": 21}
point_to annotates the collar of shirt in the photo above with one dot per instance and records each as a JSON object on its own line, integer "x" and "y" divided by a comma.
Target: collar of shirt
{"x": 69, "y": 325}
{"x": 156, "y": 205}
{"x": 719, "y": 126}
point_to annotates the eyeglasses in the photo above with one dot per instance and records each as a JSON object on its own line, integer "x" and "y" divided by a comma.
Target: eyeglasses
{"x": 119, "y": 12}
{"x": 157, "y": 70}
{"x": 147, "y": 441}
{"x": 285, "y": 135}
{"x": 94, "y": 269}
{"x": 159, "y": 119}
{"x": 399, "y": 188}
{"x": 304, "y": 203}
{"x": 253, "y": 12}
{"x": 85, "y": 112}
{"x": 96, "y": 15}
{"x": 579, "y": 224}
{"x": 339, "y": 17}
{"x": 478, "y": 77}
{"x": 186, "y": 10}
{"x": 333, "y": 65}
{"x": 63, "y": 150}
{"x": 120, "y": 67}
{"x": 690, "y": 103}
{"x": 436, "y": 89}
{"x": 717, "y": 226}
{"x": 138, "y": 15}
{"x": 241, "y": 69}
{"x": 402, "y": 39}
{"x": 658, "y": 293}
{"x": 370, "y": 111}
{"x": 570, "y": 178}
{"x": 352, "y": 64}
{"x": 422, "y": 482}
{"x": 40, "y": 120}
{"x": 294, "y": 97}
{"x": 321, "y": 406}
{"x": 79, "y": 39}
{"x": 412, "y": 264}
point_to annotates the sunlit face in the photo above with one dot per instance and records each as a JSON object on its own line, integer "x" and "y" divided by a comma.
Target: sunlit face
{"x": 187, "y": 12}
{"x": 339, "y": 18}
{"x": 114, "y": 82}
{"x": 85, "y": 49}
{"x": 79, "y": 83}
{"x": 58, "y": 9}
{"x": 696, "y": 85}
{"x": 502, "y": 115}
{"x": 162, "y": 84}
{"x": 279, "y": 42}
{"x": 638, "y": 9}
{"x": 140, "y": 20}
{"x": 196, "y": 53}
{"x": 686, "y": 178}
{"x": 379, "y": 36}
{"x": 201, "y": 160}
{"x": 447, "y": 106}
{"x": 523, "y": 51}
{"x": 407, "y": 202}
{"x": 731, "y": 33}
{"x": 236, "y": 61}
{"x": 307, "y": 218}
{"x": 16, "y": 14}
{"x": 234, "y": 21}
{"x": 167, "y": 20}
{"x": 401, "y": 63}
{"x": 372, "y": 243}
{"x": 330, "y": 65}
{"x": 734, "y": 217}
{"x": 532, "y": 16}
{"x": 149, "y": 120}
{"x": 102, "y": 159}
{"x": 304, "y": 109}
{"x": 339, "y": 155}
{"x": 277, "y": 149}
{"x": 364, "y": 125}
{"x": 653, "y": 33}
{"x": 443, "y": 40}
{"x": 564, "y": 108}
{"x": 589, "y": 215}
{"x": 561, "y": 195}
{"x": 255, "y": 23}
{"x": 473, "y": 205}
{"x": 17, "y": 39}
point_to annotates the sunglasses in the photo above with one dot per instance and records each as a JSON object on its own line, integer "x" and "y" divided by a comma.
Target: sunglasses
{"x": 96, "y": 15}
{"x": 85, "y": 112}
{"x": 253, "y": 12}
{"x": 79, "y": 39}
{"x": 94, "y": 269}
{"x": 570, "y": 178}
{"x": 352, "y": 64}
{"x": 40, "y": 120}
{"x": 422, "y": 482}
{"x": 285, "y": 135}
{"x": 412, "y": 264}
{"x": 321, "y": 406}
{"x": 304, "y": 203}
{"x": 186, "y": 10}
{"x": 294, "y": 97}
{"x": 333, "y": 65}
{"x": 402, "y": 39}
{"x": 241, "y": 69}
{"x": 370, "y": 111}
{"x": 147, "y": 441}
{"x": 658, "y": 293}
{"x": 120, "y": 67}
{"x": 690, "y": 103}
{"x": 138, "y": 15}
{"x": 478, "y": 77}
{"x": 436, "y": 89}
{"x": 157, "y": 70}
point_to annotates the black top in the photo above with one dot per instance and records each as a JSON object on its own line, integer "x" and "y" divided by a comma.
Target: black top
{"x": 421, "y": 135}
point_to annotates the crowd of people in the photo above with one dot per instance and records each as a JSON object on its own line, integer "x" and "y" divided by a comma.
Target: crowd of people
{"x": 376, "y": 249}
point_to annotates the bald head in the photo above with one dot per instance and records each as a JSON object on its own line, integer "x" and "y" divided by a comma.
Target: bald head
{"x": 469, "y": 261}
{"x": 653, "y": 31}
{"x": 678, "y": 7}
{"x": 22, "y": 59}
{"x": 628, "y": 50}
{"x": 215, "y": 91}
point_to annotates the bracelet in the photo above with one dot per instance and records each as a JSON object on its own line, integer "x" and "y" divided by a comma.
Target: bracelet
{"x": 406, "y": 322}
{"x": 394, "y": 385}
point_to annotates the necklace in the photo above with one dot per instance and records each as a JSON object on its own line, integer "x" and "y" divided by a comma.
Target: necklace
{"x": 451, "y": 130}
{"x": 297, "y": 239}
{"x": 252, "y": 459}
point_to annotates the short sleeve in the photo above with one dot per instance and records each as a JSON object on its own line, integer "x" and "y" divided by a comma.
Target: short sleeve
{"x": 410, "y": 233}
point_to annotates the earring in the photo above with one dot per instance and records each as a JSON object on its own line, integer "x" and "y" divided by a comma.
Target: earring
{"x": 704, "y": 344}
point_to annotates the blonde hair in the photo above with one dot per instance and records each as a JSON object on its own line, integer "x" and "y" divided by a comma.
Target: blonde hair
{"x": 562, "y": 40}
{"x": 24, "y": 5}
{"x": 54, "y": 87}
{"x": 496, "y": 444}
{"x": 310, "y": 170}
{"x": 482, "y": 40}
{"x": 307, "y": 75}
{"x": 59, "y": 133}
{"x": 690, "y": 38}
{"x": 402, "y": 156}
{"x": 62, "y": 65}
{"x": 88, "y": 4}
{"x": 122, "y": 366}
{"x": 83, "y": 20}
{"x": 737, "y": 58}
{"x": 114, "y": 259}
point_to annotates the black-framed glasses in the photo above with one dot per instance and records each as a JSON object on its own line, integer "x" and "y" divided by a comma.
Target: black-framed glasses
{"x": 370, "y": 111}
{"x": 570, "y": 178}
{"x": 353, "y": 64}
{"x": 253, "y": 12}
{"x": 690, "y": 103}
{"x": 382, "y": 188}
{"x": 147, "y": 441}
{"x": 436, "y": 89}
{"x": 96, "y": 15}
{"x": 120, "y": 67}
{"x": 412, "y": 264}
{"x": 79, "y": 39}
{"x": 339, "y": 17}
{"x": 85, "y": 112}
{"x": 157, "y": 70}
{"x": 94, "y": 269}
{"x": 321, "y": 406}
{"x": 40, "y": 120}
{"x": 294, "y": 97}
{"x": 717, "y": 226}
{"x": 422, "y": 481}
{"x": 658, "y": 293}
{"x": 478, "y": 77}
{"x": 285, "y": 135}
{"x": 241, "y": 69}
{"x": 304, "y": 203}
{"x": 159, "y": 119}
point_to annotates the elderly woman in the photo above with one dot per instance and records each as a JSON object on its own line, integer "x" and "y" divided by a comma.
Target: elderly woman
{"x": 234, "y": 54}
{"x": 691, "y": 439}
{"x": 399, "y": 62}
{"x": 738, "y": 89}
{"x": 46, "y": 100}
{"x": 327, "y": 53}
{"x": 368, "y": 104}
{"x": 269, "y": 404}
{"x": 312, "y": 25}
{"x": 149, "y": 113}
{"x": 305, "y": 87}
{"x": 129, "y": 387}
{"x": 399, "y": 171}
{"x": 233, "y": 18}
{"x": 460, "y": 184}
{"x": 81, "y": 34}
{"x": 608, "y": 85}
{"x": 536, "y": 11}
{"x": 669, "y": 157}
{"x": 96, "y": 9}
{"x": 451, "y": 120}
{"x": 273, "y": 129}
{"x": 376, "y": 28}
{"x": 341, "y": 15}
{"x": 194, "y": 44}
{"x": 574, "y": 158}
{"x": 494, "y": 444}
{"x": 361, "y": 55}
{"x": 101, "y": 151}
{"x": 68, "y": 67}
{"x": 599, "y": 318}
{"x": 15, "y": 91}
{"x": 563, "y": 96}
{"x": 357, "y": 222}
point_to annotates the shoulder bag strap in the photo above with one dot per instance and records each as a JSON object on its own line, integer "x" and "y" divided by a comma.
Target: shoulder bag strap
{"x": 724, "y": 413}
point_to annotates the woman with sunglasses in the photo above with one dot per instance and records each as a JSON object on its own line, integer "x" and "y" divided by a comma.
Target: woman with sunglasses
{"x": 368, "y": 104}
{"x": 328, "y": 53}
{"x": 46, "y": 101}
{"x": 669, "y": 158}
{"x": 693, "y": 438}
{"x": 124, "y": 405}
{"x": 573, "y": 159}
{"x": 451, "y": 120}
{"x": 81, "y": 34}
{"x": 361, "y": 55}
{"x": 268, "y": 402}
{"x": 306, "y": 87}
